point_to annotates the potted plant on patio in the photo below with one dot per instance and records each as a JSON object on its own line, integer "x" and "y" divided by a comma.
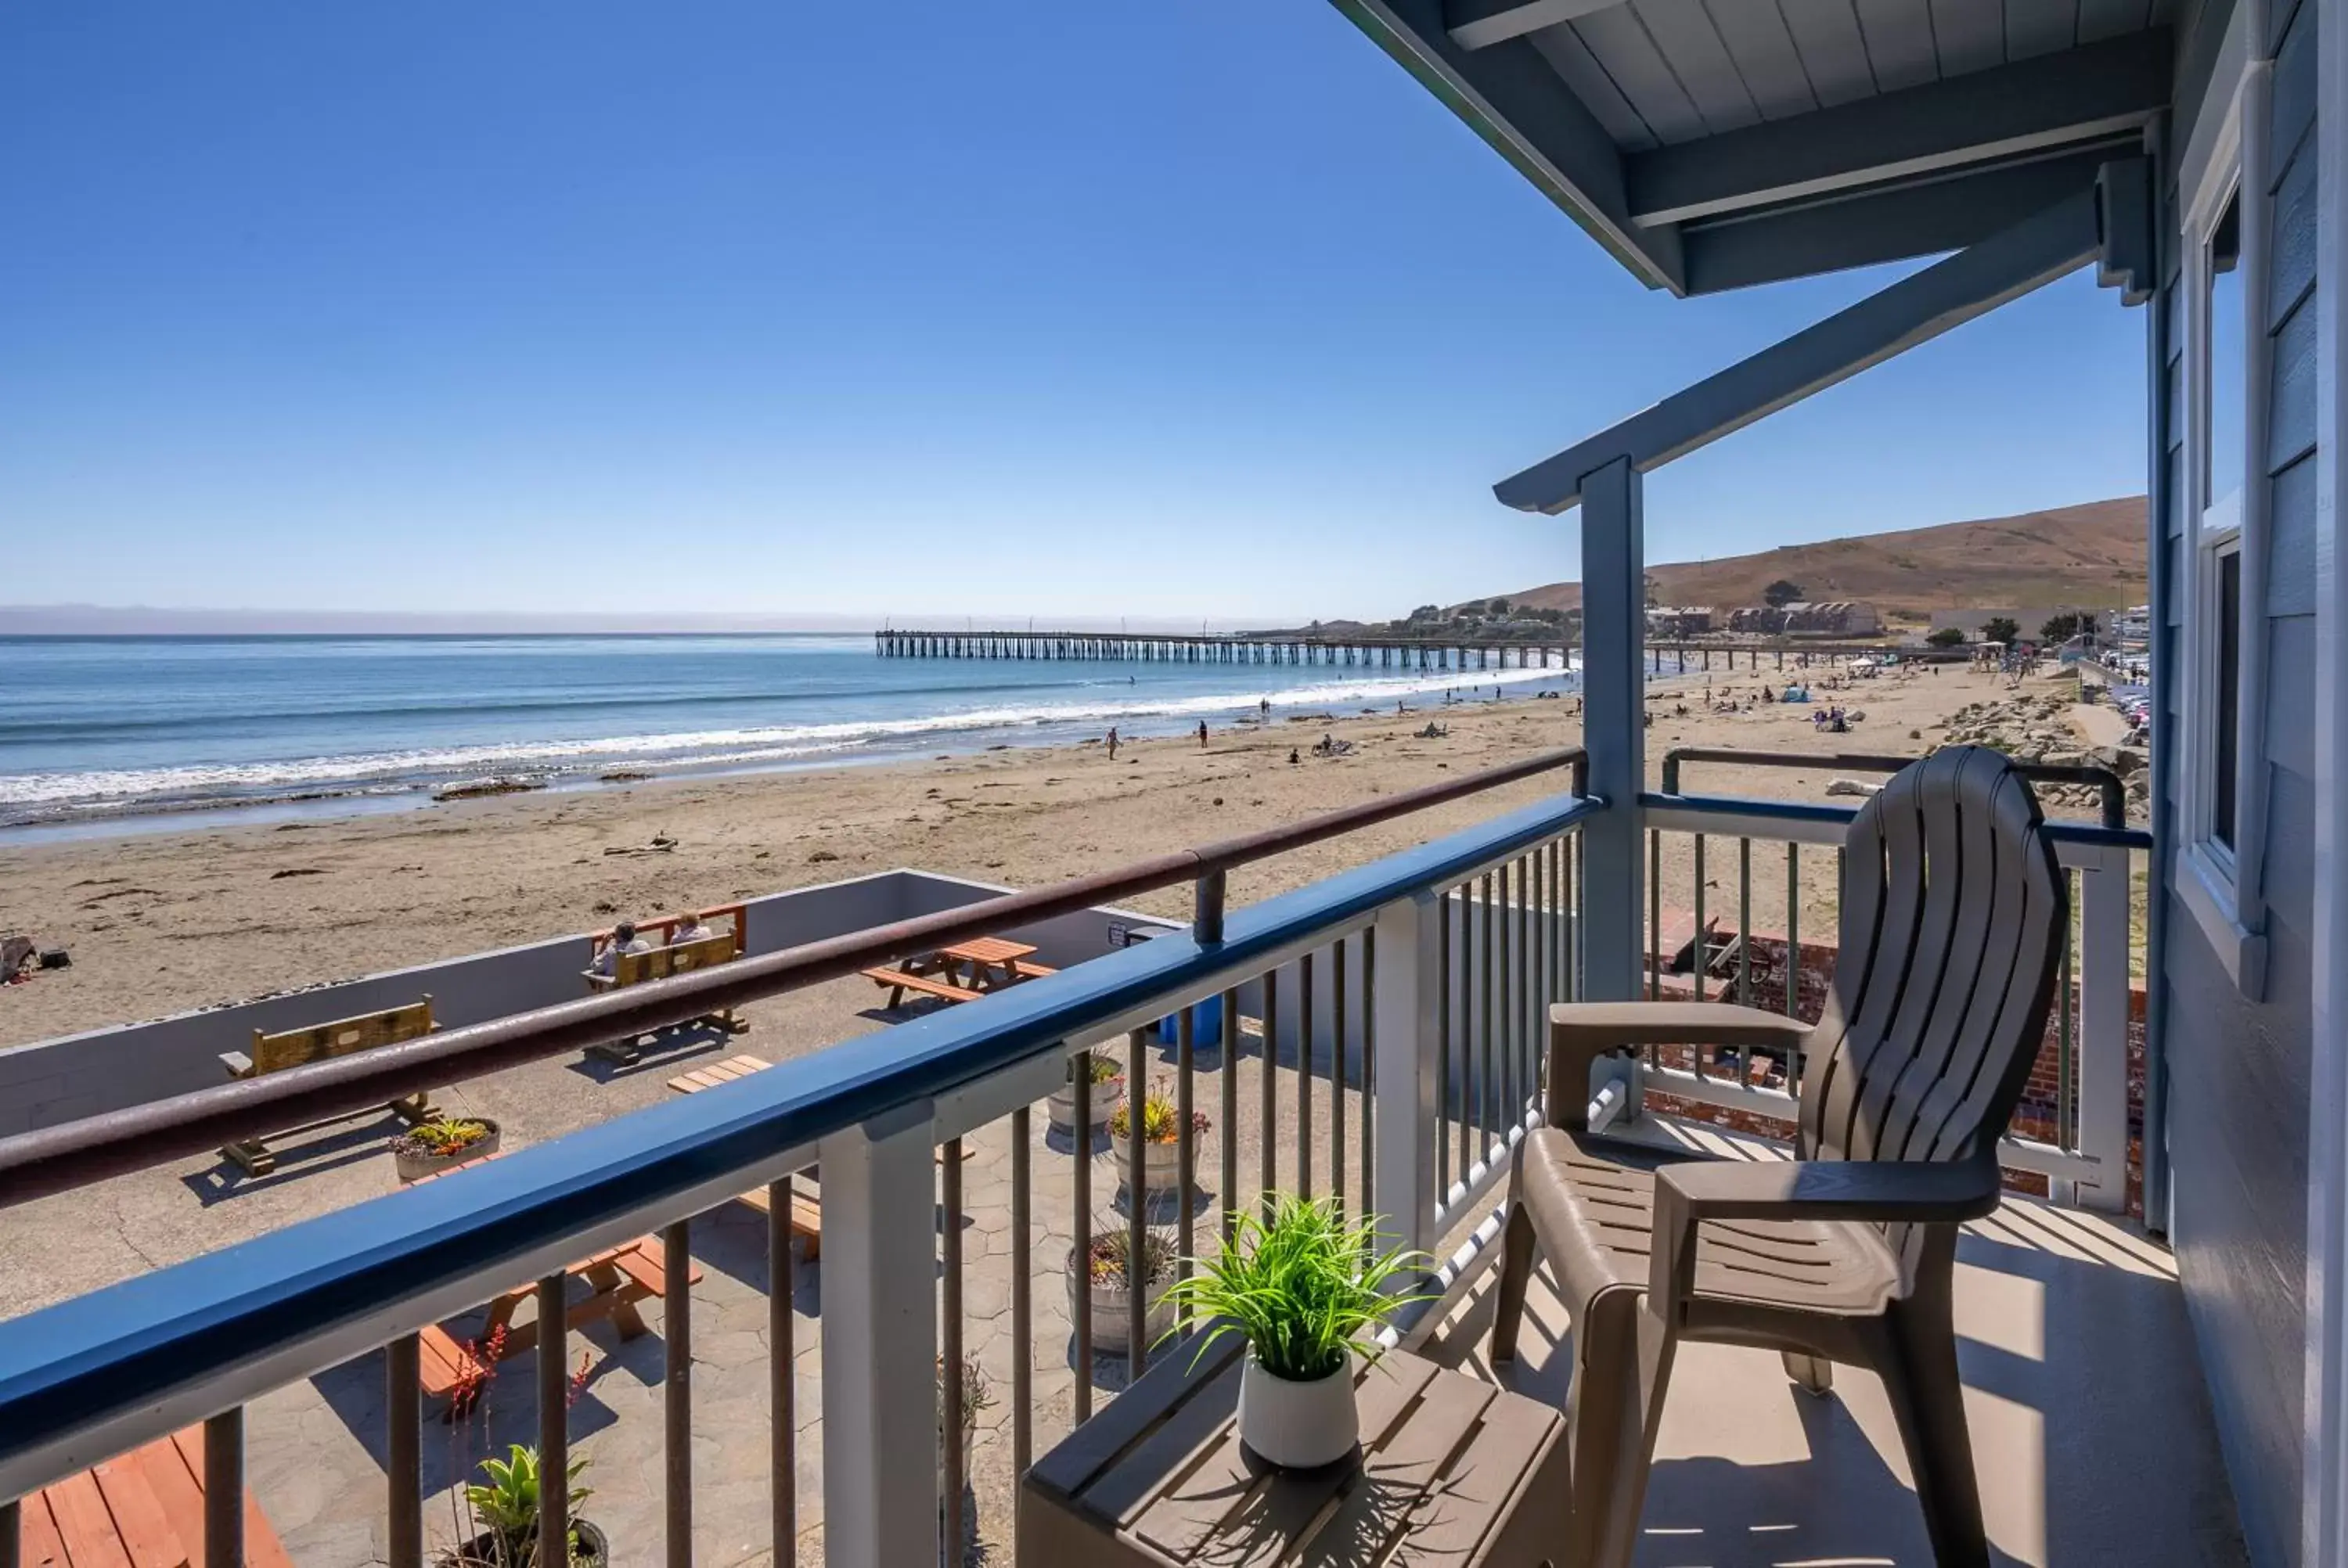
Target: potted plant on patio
{"x": 977, "y": 1394}
{"x": 1161, "y": 1150}
{"x": 1303, "y": 1285}
{"x": 1107, "y": 1089}
{"x": 504, "y": 1508}
{"x": 430, "y": 1147}
{"x": 1111, "y": 1283}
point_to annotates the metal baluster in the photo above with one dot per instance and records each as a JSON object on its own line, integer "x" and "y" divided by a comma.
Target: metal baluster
{"x": 1571, "y": 912}
{"x": 1487, "y": 1091}
{"x": 1744, "y": 921}
{"x": 1185, "y": 1149}
{"x": 676, "y": 1332}
{"x": 1137, "y": 1201}
{"x": 1226, "y": 1199}
{"x": 1793, "y": 928}
{"x": 2065, "y": 1059}
{"x": 1337, "y": 1075}
{"x": 950, "y": 1349}
{"x": 1702, "y": 950}
{"x": 223, "y": 1485}
{"x": 1512, "y": 978}
{"x": 554, "y": 1412}
{"x": 403, "y": 1470}
{"x": 1081, "y": 1297}
{"x": 1267, "y": 1124}
{"x": 1369, "y": 1064}
{"x": 1527, "y": 986}
{"x": 782, "y": 1374}
{"x": 1655, "y": 918}
{"x": 1446, "y": 1106}
{"x": 1304, "y": 1077}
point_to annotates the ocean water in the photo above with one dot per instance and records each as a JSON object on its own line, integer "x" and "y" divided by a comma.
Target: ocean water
{"x": 109, "y": 731}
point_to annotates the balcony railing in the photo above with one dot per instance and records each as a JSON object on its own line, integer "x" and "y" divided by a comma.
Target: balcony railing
{"x": 1375, "y": 1036}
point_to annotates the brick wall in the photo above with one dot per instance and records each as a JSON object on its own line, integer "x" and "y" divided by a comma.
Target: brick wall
{"x": 2034, "y": 1118}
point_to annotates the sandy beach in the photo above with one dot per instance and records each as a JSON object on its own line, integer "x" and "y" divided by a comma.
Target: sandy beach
{"x": 162, "y": 922}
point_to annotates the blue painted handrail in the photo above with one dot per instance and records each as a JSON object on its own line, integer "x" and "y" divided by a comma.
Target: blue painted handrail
{"x": 84, "y": 1378}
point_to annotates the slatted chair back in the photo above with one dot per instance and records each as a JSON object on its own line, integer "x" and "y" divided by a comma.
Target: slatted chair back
{"x": 324, "y": 1041}
{"x": 660, "y": 963}
{"x": 1954, "y": 913}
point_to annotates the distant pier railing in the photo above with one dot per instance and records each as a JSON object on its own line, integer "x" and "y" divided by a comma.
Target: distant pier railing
{"x": 1384, "y": 652}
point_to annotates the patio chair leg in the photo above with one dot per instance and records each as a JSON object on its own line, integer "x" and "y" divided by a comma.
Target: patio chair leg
{"x": 1918, "y": 1367}
{"x": 1516, "y": 1273}
{"x": 1811, "y": 1374}
{"x": 1623, "y": 1361}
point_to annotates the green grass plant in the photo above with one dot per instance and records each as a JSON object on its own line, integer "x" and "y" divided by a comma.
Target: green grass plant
{"x": 1302, "y": 1285}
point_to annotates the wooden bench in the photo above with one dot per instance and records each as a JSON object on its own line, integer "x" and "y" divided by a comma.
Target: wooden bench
{"x": 660, "y": 964}
{"x": 619, "y": 1277}
{"x": 144, "y": 1509}
{"x": 807, "y": 1209}
{"x": 1028, "y": 972}
{"x": 323, "y": 1042}
{"x": 900, "y": 981}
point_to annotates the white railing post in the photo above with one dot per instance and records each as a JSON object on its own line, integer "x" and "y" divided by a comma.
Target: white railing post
{"x": 2102, "y": 1069}
{"x": 1403, "y": 1011}
{"x": 880, "y": 1342}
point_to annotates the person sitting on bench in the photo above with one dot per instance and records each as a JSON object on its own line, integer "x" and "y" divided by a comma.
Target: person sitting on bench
{"x": 688, "y": 929}
{"x": 624, "y": 940}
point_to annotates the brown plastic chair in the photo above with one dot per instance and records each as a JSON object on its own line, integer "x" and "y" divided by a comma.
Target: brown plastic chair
{"x": 1953, "y": 915}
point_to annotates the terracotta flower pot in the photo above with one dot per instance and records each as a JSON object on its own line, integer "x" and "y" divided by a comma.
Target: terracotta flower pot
{"x": 1298, "y": 1426}
{"x": 414, "y": 1164}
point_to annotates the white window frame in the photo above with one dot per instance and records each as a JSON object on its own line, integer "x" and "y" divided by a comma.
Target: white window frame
{"x": 2226, "y": 162}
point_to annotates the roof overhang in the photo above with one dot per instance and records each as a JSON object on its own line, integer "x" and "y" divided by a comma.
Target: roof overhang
{"x": 1916, "y": 171}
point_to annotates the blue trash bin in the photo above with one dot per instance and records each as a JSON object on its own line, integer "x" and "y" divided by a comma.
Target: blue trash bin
{"x": 1207, "y": 1031}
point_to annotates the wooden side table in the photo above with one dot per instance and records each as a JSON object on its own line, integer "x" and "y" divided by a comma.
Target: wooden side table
{"x": 1451, "y": 1470}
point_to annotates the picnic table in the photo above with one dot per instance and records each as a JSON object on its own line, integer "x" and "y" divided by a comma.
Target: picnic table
{"x": 962, "y": 971}
{"x": 617, "y": 1279}
{"x": 807, "y": 1210}
{"x": 144, "y": 1509}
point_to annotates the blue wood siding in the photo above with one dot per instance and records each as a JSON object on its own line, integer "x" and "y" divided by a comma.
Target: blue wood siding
{"x": 2239, "y": 1070}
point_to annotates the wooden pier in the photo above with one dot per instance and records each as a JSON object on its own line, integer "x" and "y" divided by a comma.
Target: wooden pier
{"x": 1379, "y": 653}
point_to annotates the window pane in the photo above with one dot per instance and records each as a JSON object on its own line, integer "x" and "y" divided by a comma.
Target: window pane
{"x": 2227, "y": 705}
{"x": 2228, "y": 395}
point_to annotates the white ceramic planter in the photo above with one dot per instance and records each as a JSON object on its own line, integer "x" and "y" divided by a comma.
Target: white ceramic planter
{"x": 1298, "y": 1426}
{"x": 1061, "y": 1105}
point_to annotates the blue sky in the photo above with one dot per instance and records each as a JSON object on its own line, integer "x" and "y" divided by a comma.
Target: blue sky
{"x": 1074, "y": 306}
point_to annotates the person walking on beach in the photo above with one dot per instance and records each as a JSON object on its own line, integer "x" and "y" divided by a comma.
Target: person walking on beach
{"x": 1112, "y": 743}
{"x": 1203, "y": 734}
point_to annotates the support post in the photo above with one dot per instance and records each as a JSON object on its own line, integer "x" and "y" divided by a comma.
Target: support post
{"x": 1613, "y": 624}
{"x": 1403, "y": 1000}
{"x": 881, "y": 1341}
{"x": 2102, "y": 1081}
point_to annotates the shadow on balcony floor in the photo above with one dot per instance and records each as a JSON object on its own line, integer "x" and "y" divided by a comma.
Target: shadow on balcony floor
{"x": 2091, "y": 1425}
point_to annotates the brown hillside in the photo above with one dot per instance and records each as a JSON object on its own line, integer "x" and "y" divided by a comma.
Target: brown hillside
{"x": 2090, "y": 555}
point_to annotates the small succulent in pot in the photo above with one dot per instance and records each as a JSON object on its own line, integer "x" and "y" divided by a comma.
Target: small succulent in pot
{"x": 505, "y": 1509}
{"x": 1304, "y": 1285}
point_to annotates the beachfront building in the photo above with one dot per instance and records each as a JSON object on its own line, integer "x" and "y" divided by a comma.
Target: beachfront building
{"x": 2154, "y": 1327}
